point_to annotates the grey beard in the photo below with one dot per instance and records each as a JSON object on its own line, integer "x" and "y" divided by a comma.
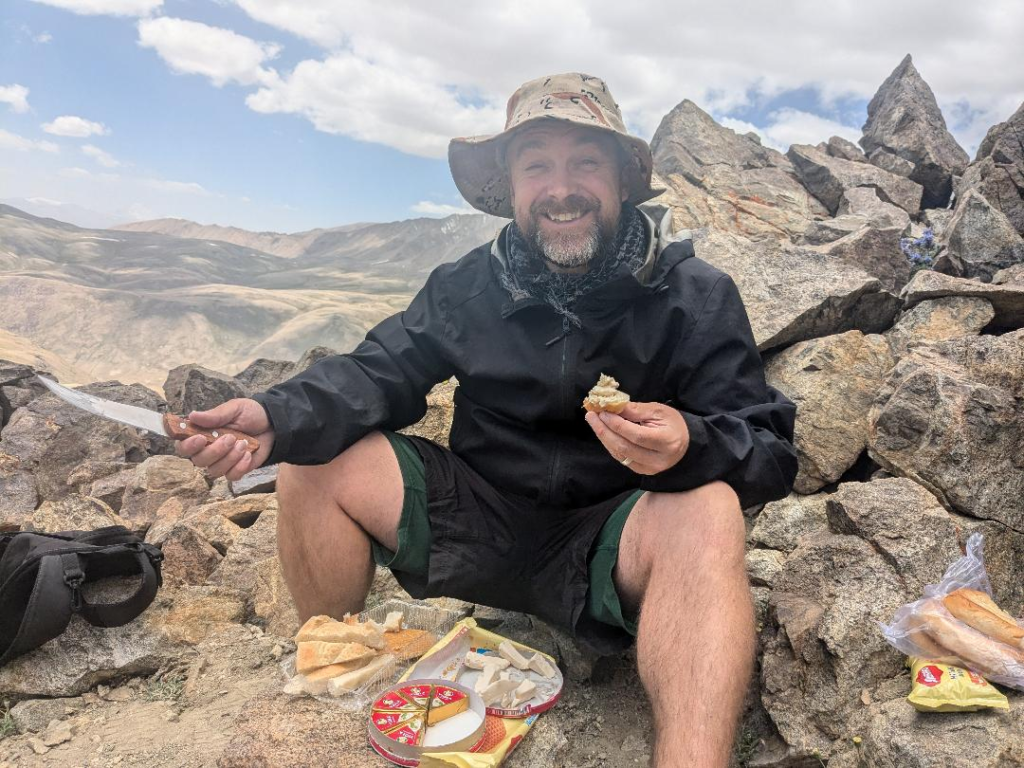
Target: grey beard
{"x": 570, "y": 251}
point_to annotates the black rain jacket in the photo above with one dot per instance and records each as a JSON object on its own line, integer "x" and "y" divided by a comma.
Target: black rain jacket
{"x": 675, "y": 332}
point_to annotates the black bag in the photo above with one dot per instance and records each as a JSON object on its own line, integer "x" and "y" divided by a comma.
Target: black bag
{"x": 41, "y": 577}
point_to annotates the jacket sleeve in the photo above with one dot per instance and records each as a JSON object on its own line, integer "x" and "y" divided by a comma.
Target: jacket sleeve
{"x": 741, "y": 429}
{"x": 382, "y": 384}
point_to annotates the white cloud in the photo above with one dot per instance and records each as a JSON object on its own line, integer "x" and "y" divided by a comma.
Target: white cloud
{"x": 792, "y": 126}
{"x": 16, "y": 96}
{"x": 82, "y": 173}
{"x": 465, "y": 56}
{"x": 183, "y": 187}
{"x": 18, "y": 143}
{"x": 44, "y": 37}
{"x": 427, "y": 208}
{"x": 107, "y": 7}
{"x": 376, "y": 102}
{"x": 193, "y": 48}
{"x": 101, "y": 157}
{"x": 75, "y": 127}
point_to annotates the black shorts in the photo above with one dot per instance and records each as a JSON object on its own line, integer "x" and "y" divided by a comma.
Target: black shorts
{"x": 460, "y": 537}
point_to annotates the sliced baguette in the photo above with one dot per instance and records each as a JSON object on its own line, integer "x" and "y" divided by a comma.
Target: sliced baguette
{"x": 314, "y": 654}
{"x": 978, "y": 610}
{"x": 978, "y": 651}
{"x": 331, "y": 631}
{"x": 345, "y": 683}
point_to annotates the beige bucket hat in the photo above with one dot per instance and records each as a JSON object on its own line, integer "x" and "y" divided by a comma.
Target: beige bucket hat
{"x": 572, "y": 97}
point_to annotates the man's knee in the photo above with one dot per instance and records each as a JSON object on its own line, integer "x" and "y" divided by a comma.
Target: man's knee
{"x": 347, "y": 475}
{"x": 705, "y": 521}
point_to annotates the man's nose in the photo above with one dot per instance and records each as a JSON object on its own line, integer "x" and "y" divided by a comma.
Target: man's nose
{"x": 561, "y": 182}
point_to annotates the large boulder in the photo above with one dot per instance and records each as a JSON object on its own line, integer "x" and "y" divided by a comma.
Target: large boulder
{"x": 72, "y": 513}
{"x": 195, "y": 388}
{"x": 157, "y": 479}
{"x": 264, "y": 373}
{"x": 998, "y": 169}
{"x": 876, "y": 251}
{"x": 728, "y": 181}
{"x": 18, "y": 385}
{"x": 980, "y": 240}
{"x": 51, "y": 438}
{"x": 949, "y": 417}
{"x": 939, "y": 319}
{"x": 823, "y": 654}
{"x": 251, "y": 546}
{"x": 829, "y": 177}
{"x": 905, "y": 121}
{"x": 18, "y": 496}
{"x": 833, "y": 381}
{"x": 1007, "y": 299}
{"x": 792, "y": 293}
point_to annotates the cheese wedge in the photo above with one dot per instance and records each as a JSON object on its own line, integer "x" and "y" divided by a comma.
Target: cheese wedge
{"x": 978, "y": 611}
{"x": 541, "y": 666}
{"x": 326, "y": 630}
{"x": 348, "y": 682}
{"x": 313, "y": 654}
{"x": 446, "y": 702}
{"x": 509, "y": 651}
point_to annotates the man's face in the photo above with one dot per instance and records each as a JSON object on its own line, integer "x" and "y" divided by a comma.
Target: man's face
{"x": 566, "y": 190}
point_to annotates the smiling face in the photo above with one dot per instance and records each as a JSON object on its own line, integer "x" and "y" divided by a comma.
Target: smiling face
{"x": 567, "y": 190}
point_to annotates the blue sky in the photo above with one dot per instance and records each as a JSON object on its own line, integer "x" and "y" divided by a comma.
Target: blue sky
{"x": 278, "y": 115}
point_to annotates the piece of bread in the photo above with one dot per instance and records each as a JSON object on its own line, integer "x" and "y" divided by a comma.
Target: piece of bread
{"x": 979, "y": 652}
{"x": 327, "y": 630}
{"x": 408, "y": 643}
{"x": 349, "y": 681}
{"x": 393, "y": 622}
{"x": 333, "y": 670}
{"x": 978, "y": 610}
{"x": 314, "y": 654}
{"x": 930, "y": 649}
{"x": 605, "y": 396}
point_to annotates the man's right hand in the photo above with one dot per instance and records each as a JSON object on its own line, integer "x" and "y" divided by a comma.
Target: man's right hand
{"x": 225, "y": 456}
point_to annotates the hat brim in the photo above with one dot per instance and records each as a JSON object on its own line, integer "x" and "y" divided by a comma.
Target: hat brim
{"x": 485, "y": 184}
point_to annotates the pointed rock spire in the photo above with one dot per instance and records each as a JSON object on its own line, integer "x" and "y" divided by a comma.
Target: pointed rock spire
{"x": 905, "y": 122}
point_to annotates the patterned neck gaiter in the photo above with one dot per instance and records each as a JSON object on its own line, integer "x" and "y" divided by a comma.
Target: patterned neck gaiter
{"x": 528, "y": 273}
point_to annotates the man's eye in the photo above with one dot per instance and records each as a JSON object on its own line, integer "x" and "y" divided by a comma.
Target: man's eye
{"x": 535, "y": 166}
{"x": 590, "y": 163}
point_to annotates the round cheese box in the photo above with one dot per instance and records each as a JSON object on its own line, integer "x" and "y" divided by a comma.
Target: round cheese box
{"x": 418, "y": 716}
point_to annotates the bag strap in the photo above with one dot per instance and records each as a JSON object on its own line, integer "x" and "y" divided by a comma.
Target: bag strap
{"x": 50, "y": 604}
{"x": 117, "y": 614}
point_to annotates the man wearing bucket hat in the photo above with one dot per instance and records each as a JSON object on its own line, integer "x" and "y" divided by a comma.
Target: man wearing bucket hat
{"x": 612, "y": 527}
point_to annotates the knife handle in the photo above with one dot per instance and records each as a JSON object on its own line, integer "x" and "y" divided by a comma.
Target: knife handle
{"x": 180, "y": 428}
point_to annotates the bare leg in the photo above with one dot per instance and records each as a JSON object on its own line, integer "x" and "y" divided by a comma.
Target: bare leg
{"x": 327, "y": 515}
{"x": 682, "y": 559}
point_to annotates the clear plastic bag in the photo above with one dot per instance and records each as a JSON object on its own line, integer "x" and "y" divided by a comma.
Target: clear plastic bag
{"x": 926, "y": 629}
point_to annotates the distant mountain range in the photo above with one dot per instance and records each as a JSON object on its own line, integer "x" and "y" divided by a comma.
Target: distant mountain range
{"x": 132, "y": 302}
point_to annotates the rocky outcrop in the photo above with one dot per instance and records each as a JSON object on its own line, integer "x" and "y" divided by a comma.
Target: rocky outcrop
{"x": 833, "y": 381}
{"x": 905, "y": 124}
{"x": 727, "y": 180}
{"x": 792, "y": 294}
{"x": 997, "y": 172}
{"x": 1007, "y": 299}
{"x": 829, "y": 177}
{"x": 195, "y": 388}
{"x": 980, "y": 240}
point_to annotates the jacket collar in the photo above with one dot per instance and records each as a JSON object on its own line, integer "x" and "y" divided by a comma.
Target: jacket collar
{"x": 645, "y": 280}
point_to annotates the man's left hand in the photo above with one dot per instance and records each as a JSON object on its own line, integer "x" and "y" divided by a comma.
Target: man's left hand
{"x": 647, "y": 437}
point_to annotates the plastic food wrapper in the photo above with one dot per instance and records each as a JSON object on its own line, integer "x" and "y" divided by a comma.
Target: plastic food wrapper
{"x": 502, "y": 733}
{"x": 927, "y": 630}
{"x": 948, "y": 688}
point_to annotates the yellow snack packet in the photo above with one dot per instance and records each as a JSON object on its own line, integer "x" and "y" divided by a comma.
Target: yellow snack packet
{"x": 945, "y": 688}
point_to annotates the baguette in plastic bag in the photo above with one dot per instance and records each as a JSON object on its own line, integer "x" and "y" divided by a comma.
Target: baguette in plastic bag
{"x": 927, "y": 629}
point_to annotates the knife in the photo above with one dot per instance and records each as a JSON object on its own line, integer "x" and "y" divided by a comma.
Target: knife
{"x": 164, "y": 424}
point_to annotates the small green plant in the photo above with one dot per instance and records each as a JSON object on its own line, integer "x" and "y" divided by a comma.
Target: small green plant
{"x": 920, "y": 251}
{"x": 7, "y": 726}
{"x": 166, "y": 688}
{"x": 746, "y": 744}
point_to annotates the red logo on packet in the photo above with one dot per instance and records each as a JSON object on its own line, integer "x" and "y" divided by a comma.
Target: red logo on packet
{"x": 929, "y": 675}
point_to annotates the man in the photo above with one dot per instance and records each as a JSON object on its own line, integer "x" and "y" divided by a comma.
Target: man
{"x": 609, "y": 526}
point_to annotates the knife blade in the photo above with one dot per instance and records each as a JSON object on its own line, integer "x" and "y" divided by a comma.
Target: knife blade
{"x": 164, "y": 424}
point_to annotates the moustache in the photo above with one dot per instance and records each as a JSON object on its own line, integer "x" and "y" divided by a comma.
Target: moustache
{"x": 573, "y": 204}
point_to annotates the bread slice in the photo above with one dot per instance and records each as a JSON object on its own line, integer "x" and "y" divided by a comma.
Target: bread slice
{"x": 978, "y": 651}
{"x": 349, "y": 681}
{"x": 314, "y": 654}
{"x": 324, "y": 629}
{"x": 978, "y": 610}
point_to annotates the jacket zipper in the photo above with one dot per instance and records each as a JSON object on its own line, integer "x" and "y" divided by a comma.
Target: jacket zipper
{"x": 556, "y": 461}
